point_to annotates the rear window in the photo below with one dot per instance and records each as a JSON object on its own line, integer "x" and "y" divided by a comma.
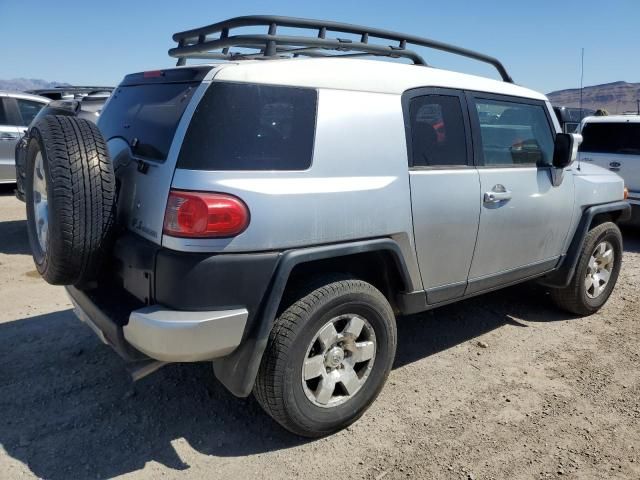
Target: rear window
{"x": 623, "y": 138}
{"x": 251, "y": 127}
{"x": 146, "y": 116}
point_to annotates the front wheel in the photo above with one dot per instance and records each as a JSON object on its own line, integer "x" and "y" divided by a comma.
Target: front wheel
{"x": 596, "y": 272}
{"x": 328, "y": 356}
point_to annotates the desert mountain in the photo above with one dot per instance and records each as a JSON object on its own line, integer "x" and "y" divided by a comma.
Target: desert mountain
{"x": 616, "y": 97}
{"x": 22, "y": 84}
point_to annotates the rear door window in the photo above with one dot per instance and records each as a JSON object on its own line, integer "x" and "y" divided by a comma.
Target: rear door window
{"x": 438, "y": 137}
{"x": 251, "y": 127}
{"x": 146, "y": 116}
{"x": 620, "y": 138}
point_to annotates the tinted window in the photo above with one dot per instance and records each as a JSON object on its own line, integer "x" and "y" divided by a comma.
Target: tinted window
{"x": 28, "y": 110}
{"x": 251, "y": 127}
{"x": 514, "y": 133}
{"x": 621, "y": 138}
{"x": 4, "y": 120}
{"x": 146, "y": 116}
{"x": 437, "y": 131}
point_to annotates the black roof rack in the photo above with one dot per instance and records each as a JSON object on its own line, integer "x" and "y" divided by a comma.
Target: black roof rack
{"x": 196, "y": 43}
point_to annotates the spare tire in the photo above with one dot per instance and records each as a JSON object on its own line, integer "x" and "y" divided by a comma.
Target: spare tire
{"x": 70, "y": 197}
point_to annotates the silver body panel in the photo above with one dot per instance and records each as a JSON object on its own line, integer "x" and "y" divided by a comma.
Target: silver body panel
{"x": 445, "y": 223}
{"x": 627, "y": 166}
{"x": 337, "y": 198}
{"x": 529, "y": 228}
{"x": 9, "y": 137}
{"x": 359, "y": 186}
{"x": 10, "y": 134}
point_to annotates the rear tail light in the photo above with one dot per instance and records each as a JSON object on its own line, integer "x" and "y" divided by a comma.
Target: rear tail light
{"x": 626, "y": 193}
{"x": 204, "y": 215}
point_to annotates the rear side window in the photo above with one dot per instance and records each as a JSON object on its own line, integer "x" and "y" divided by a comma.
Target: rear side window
{"x": 622, "y": 138}
{"x": 437, "y": 131}
{"x": 251, "y": 127}
{"x": 28, "y": 110}
{"x": 146, "y": 116}
{"x": 514, "y": 133}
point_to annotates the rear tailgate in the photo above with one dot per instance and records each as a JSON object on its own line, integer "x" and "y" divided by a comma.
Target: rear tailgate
{"x": 615, "y": 146}
{"x": 139, "y": 122}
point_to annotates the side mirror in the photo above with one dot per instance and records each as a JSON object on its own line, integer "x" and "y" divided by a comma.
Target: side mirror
{"x": 565, "y": 150}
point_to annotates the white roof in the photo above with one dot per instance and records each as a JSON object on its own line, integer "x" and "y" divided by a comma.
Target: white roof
{"x": 613, "y": 119}
{"x": 361, "y": 75}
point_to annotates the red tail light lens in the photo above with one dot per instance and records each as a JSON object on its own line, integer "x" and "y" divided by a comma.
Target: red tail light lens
{"x": 204, "y": 215}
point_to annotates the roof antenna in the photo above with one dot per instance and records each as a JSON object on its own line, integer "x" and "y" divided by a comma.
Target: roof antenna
{"x": 581, "y": 82}
{"x": 581, "y": 89}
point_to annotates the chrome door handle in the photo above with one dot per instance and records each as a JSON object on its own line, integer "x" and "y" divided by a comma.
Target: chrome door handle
{"x": 8, "y": 136}
{"x": 497, "y": 194}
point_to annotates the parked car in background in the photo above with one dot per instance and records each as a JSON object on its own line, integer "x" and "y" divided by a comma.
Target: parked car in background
{"x": 17, "y": 111}
{"x": 70, "y": 92}
{"x": 613, "y": 142}
{"x": 87, "y": 107}
{"x": 570, "y": 117}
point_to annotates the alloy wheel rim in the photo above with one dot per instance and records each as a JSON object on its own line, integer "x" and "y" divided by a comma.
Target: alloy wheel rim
{"x": 339, "y": 360}
{"x": 40, "y": 203}
{"x": 599, "y": 269}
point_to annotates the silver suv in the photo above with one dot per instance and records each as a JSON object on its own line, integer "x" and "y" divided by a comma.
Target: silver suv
{"x": 274, "y": 215}
{"x": 17, "y": 110}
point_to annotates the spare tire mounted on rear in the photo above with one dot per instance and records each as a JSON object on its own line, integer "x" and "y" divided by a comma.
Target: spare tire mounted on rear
{"x": 70, "y": 197}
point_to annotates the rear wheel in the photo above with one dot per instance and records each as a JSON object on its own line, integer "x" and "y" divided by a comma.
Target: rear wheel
{"x": 596, "y": 272}
{"x": 329, "y": 355}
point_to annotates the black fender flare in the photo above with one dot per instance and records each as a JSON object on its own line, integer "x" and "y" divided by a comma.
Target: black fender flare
{"x": 561, "y": 277}
{"x": 238, "y": 371}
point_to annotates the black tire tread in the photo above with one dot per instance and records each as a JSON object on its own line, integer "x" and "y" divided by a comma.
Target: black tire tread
{"x": 269, "y": 386}
{"x": 82, "y": 184}
{"x": 569, "y": 298}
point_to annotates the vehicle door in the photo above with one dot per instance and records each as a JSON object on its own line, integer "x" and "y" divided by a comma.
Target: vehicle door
{"x": 9, "y": 136}
{"x": 524, "y": 218}
{"x": 445, "y": 189}
{"x": 616, "y": 146}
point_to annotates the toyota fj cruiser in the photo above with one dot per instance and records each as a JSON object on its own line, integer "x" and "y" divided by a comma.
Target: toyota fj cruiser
{"x": 274, "y": 214}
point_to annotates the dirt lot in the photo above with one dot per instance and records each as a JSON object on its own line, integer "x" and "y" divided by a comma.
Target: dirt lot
{"x": 547, "y": 396}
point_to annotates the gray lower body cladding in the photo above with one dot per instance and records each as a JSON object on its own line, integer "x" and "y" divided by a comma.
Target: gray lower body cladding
{"x": 212, "y": 291}
{"x": 148, "y": 291}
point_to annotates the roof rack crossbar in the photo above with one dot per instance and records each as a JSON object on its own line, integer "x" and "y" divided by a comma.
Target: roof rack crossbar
{"x": 197, "y": 43}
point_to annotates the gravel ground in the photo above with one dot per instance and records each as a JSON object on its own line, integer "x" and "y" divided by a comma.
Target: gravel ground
{"x": 501, "y": 386}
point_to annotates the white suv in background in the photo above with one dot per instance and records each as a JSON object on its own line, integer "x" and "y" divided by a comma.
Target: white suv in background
{"x": 613, "y": 142}
{"x": 17, "y": 110}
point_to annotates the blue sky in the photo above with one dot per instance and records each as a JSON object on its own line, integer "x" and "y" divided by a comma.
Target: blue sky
{"x": 539, "y": 41}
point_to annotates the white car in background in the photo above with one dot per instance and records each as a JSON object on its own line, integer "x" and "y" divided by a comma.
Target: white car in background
{"x": 613, "y": 142}
{"x": 17, "y": 110}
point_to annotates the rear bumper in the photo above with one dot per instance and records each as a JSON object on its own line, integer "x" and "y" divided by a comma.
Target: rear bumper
{"x": 163, "y": 334}
{"x": 174, "y": 336}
